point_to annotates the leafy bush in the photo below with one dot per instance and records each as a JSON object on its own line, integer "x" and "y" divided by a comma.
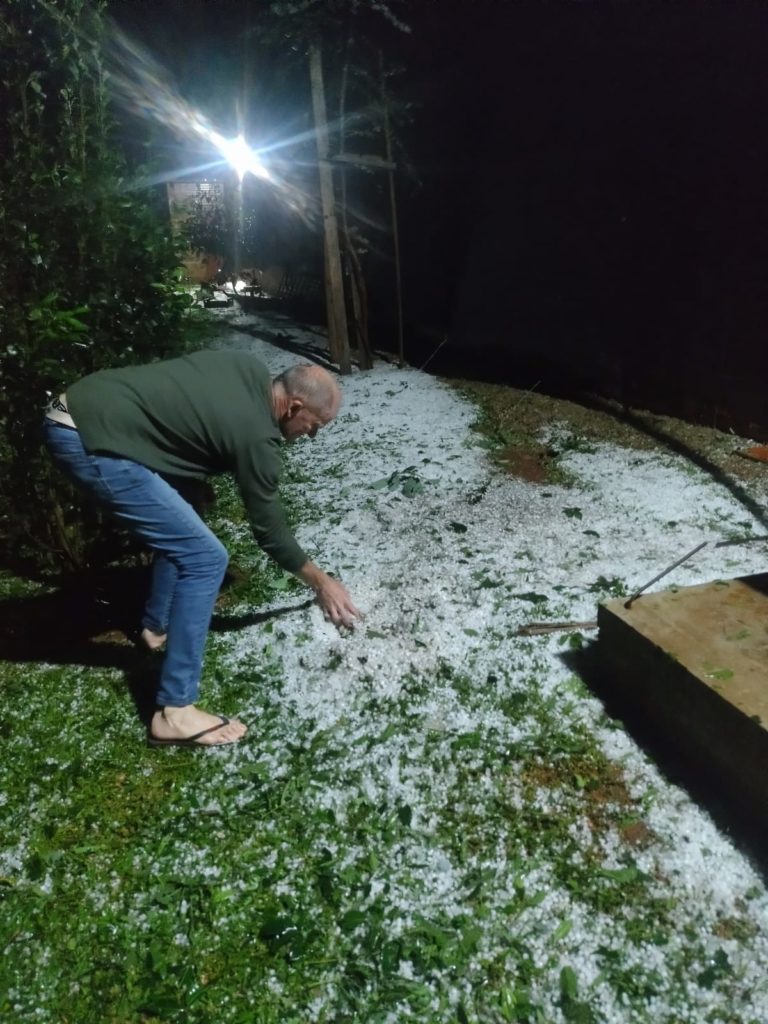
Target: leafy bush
{"x": 89, "y": 274}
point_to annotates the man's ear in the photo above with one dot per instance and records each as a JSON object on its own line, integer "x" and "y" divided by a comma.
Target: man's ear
{"x": 295, "y": 405}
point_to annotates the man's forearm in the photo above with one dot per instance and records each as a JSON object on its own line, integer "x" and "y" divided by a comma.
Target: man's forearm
{"x": 312, "y": 575}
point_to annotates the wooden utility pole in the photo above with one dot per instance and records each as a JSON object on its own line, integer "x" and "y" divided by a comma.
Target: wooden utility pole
{"x": 338, "y": 336}
{"x": 358, "y": 291}
{"x": 393, "y": 205}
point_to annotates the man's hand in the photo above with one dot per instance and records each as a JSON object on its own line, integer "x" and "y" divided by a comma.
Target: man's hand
{"x": 336, "y": 603}
{"x": 332, "y": 596}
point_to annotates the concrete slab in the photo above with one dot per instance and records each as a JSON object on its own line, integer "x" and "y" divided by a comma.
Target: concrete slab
{"x": 695, "y": 661}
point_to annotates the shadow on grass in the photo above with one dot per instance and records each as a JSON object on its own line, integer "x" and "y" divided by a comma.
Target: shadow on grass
{"x": 223, "y": 622}
{"x": 745, "y": 828}
{"x": 92, "y": 619}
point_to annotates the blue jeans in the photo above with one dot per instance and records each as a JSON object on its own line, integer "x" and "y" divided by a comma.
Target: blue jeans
{"x": 189, "y": 562}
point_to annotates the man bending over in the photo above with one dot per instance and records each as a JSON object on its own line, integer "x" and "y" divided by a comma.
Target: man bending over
{"x": 121, "y": 436}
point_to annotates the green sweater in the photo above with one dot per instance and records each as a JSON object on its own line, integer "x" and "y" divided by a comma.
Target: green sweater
{"x": 202, "y": 414}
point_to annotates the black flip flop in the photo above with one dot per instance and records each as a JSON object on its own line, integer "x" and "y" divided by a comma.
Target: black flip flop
{"x": 188, "y": 741}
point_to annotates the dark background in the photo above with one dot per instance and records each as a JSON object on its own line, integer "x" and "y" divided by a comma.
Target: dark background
{"x": 582, "y": 188}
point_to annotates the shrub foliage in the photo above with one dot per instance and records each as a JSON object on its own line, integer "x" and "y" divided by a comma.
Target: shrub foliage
{"x": 88, "y": 270}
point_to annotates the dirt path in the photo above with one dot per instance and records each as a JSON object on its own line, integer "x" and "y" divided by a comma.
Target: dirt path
{"x": 514, "y": 420}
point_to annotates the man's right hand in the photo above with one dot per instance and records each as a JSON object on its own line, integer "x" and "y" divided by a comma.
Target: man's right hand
{"x": 332, "y": 596}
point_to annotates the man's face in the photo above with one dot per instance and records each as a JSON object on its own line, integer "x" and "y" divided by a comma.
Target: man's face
{"x": 301, "y": 421}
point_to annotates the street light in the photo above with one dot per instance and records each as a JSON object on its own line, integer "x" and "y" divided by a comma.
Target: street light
{"x": 239, "y": 155}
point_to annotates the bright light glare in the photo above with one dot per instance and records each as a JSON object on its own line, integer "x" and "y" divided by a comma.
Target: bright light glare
{"x": 143, "y": 84}
{"x": 144, "y": 87}
{"x": 237, "y": 153}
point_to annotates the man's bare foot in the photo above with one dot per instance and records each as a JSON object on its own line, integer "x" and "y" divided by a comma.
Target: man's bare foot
{"x": 153, "y": 641}
{"x": 177, "y": 725}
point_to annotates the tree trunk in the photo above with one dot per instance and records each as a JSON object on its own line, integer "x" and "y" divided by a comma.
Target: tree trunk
{"x": 338, "y": 339}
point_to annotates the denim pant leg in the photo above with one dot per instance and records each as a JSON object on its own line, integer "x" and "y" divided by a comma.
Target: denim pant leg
{"x": 157, "y": 610}
{"x": 149, "y": 507}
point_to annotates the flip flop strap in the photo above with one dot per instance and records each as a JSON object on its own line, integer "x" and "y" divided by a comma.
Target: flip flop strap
{"x": 214, "y": 728}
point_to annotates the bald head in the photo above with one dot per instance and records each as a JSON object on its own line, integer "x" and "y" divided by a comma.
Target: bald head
{"x": 315, "y": 386}
{"x": 305, "y": 398}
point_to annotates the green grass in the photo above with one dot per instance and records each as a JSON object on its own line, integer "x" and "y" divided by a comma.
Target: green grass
{"x": 193, "y": 886}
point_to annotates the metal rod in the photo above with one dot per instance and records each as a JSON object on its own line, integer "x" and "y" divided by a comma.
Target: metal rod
{"x": 669, "y": 568}
{"x": 431, "y": 357}
{"x": 741, "y": 540}
{"x": 525, "y": 394}
{"x": 535, "y": 628}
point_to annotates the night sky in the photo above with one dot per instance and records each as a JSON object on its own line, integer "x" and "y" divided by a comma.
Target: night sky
{"x": 581, "y": 185}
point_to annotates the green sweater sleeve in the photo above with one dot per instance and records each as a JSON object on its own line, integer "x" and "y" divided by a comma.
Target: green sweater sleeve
{"x": 257, "y": 472}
